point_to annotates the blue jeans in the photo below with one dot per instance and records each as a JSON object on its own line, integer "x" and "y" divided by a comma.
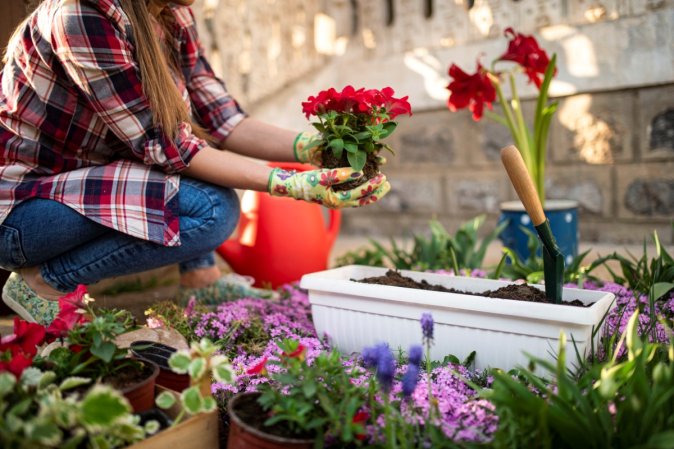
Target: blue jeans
{"x": 70, "y": 249}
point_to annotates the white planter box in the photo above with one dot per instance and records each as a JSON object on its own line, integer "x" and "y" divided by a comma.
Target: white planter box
{"x": 355, "y": 315}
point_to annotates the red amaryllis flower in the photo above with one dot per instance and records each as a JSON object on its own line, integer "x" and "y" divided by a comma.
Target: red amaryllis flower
{"x": 361, "y": 418}
{"x": 472, "y": 91}
{"x": 260, "y": 368}
{"x": 525, "y": 51}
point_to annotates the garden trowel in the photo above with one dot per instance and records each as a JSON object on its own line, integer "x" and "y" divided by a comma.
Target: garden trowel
{"x": 553, "y": 260}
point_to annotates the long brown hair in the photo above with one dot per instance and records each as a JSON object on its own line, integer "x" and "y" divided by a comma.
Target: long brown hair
{"x": 155, "y": 63}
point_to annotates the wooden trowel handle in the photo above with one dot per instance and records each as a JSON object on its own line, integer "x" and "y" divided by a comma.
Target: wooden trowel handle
{"x": 524, "y": 186}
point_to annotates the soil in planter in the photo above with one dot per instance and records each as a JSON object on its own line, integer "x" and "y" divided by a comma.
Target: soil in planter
{"x": 370, "y": 170}
{"x": 130, "y": 374}
{"x": 250, "y": 412}
{"x": 519, "y": 292}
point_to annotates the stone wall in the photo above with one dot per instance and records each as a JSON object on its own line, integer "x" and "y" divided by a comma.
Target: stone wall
{"x": 611, "y": 143}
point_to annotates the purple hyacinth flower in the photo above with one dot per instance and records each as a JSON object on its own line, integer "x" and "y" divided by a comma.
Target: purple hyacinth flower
{"x": 415, "y": 354}
{"x": 410, "y": 379}
{"x": 385, "y": 368}
{"x": 427, "y": 326}
{"x": 370, "y": 356}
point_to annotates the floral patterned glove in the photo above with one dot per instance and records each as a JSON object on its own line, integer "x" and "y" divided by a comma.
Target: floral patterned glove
{"x": 315, "y": 186}
{"x": 307, "y": 148}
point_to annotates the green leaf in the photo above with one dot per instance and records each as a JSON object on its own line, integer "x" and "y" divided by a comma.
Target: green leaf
{"x": 192, "y": 400}
{"x": 357, "y": 160}
{"x": 197, "y": 368}
{"x": 48, "y": 378}
{"x": 351, "y": 147}
{"x": 209, "y": 404}
{"x": 336, "y": 144}
{"x": 102, "y": 406}
{"x": 44, "y": 432}
{"x": 180, "y": 362}
{"x": 7, "y": 382}
{"x": 389, "y": 127}
{"x": 660, "y": 289}
{"x": 73, "y": 382}
{"x": 31, "y": 376}
{"x": 152, "y": 427}
{"x": 223, "y": 373}
{"x": 105, "y": 351}
{"x": 309, "y": 388}
{"x": 165, "y": 400}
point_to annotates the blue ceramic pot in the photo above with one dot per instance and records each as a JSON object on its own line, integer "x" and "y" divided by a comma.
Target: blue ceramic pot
{"x": 563, "y": 217}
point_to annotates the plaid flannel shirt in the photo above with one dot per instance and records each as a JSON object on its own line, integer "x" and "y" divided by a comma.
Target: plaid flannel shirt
{"x": 75, "y": 126}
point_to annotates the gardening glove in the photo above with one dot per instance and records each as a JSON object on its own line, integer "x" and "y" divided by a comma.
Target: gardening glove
{"x": 308, "y": 149}
{"x": 316, "y": 186}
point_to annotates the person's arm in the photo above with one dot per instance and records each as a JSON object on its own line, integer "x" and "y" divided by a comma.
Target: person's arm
{"x": 228, "y": 169}
{"x": 261, "y": 140}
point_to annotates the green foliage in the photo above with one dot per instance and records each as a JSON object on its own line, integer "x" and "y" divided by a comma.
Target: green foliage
{"x": 172, "y": 315}
{"x": 90, "y": 350}
{"x": 442, "y": 251}
{"x": 353, "y": 133}
{"x": 313, "y": 399}
{"x": 202, "y": 362}
{"x": 642, "y": 273}
{"x": 624, "y": 402}
{"x": 531, "y": 269}
{"x": 37, "y": 413}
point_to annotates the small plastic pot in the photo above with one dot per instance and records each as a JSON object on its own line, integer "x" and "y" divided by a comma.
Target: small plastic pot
{"x": 159, "y": 354}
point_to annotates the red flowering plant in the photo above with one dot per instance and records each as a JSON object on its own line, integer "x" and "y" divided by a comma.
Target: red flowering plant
{"x": 351, "y": 125}
{"x": 484, "y": 87}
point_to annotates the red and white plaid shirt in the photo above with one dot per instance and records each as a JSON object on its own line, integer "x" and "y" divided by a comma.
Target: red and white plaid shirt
{"x": 75, "y": 126}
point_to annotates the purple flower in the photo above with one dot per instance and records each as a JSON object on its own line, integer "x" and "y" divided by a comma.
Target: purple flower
{"x": 415, "y": 354}
{"x": 385, "y": 368}
{"x": 427, "y": 326}
{"x": 381, "y": 357}
{"x": 410, "y": 379}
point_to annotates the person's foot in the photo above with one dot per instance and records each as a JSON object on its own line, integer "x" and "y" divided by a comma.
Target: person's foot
{"x": 23, "y": 300}
{"x": 229, "y": 287}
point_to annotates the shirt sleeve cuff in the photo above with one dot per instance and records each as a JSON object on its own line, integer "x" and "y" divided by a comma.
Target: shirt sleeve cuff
{"x": 173, "y": 156}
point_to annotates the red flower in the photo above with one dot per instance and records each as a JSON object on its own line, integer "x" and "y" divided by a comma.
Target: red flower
{"x": 472, "y": 91}
{"x": 297, "y": 353}
{"x": 361, "y": 418}
{"x": 367, "y": 196}
{"x": 70, "y": 313}
{"x": 260, "y": 368}
{"x": 281, "y": 190}
{"x": 14, "y": 360}
{"x": 525, "y": 51}
{"x": 27, "y": 337}
{"x": 356, "y": 101}
{"x": 17, "y": 350}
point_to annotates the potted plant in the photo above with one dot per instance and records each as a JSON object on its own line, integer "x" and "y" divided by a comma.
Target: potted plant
{"x": 201, "y": 363}
{"x": 484, "y": 87}
{"x": 301, "y": 405}
{"x": 86, "y": 348}
{"x": 351, "y": 125}
{"x": 356, "y": 314}
{"x": 40, "y": 409}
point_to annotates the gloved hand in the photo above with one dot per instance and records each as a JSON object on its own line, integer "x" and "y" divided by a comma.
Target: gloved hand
{"x": 316, "y": 186}
{"x": 307, "y": 148}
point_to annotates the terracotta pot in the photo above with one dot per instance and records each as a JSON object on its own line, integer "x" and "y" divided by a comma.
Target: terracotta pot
{"x": 141, "y": 395}
{"x": 244, "y": 436}
{"x": 159, "y": 354}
